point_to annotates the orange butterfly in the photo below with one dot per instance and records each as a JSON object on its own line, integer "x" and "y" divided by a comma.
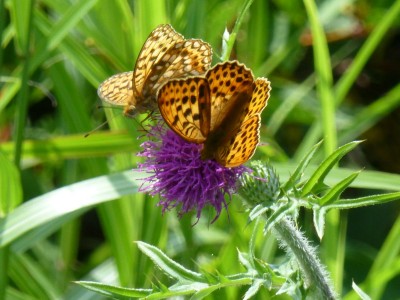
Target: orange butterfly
{"x": 220, "y": 110}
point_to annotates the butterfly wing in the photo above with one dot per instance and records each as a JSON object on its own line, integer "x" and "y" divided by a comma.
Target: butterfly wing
{"x": 260, "y": 96}
{"x": 227, "y": 82}
{"x": 117, "y": 89}
{"x": 157, "y": 44}
{"x": 242, "y": 145}
{"x": 187, "y": 58}
{"x": 124, "y": 88}
{"x": 185, "y": 106}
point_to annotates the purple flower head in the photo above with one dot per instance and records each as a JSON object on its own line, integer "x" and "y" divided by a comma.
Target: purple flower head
{"x": 181, "y": 177}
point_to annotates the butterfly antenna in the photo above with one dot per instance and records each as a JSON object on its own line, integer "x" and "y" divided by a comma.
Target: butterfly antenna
{"x": 108, "y": 107}
{"x": 95, "y": 129}
{"x": 151, "y": 116}
{"x": 143, "y": 130}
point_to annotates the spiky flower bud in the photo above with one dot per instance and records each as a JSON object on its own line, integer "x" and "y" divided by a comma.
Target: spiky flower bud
{"x": 261, "y": 185}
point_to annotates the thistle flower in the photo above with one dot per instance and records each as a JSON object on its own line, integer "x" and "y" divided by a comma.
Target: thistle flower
{"x": 261, "y": 186}
{"x": 181, "y": 177}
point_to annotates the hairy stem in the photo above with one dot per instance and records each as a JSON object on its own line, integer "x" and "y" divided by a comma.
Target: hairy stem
{"x": 314, "y": 273}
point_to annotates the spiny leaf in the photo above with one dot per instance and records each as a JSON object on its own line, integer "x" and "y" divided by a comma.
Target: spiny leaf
{"x": 298, "y": 172}
{"x": 169, "y": 266}
{"x": 320, "y": 173}
{"x": 335, "y": 192}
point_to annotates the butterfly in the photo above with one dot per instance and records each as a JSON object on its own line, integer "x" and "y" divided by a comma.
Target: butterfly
{"x": 220, "y": 110}
{"x": 164, "y": 55}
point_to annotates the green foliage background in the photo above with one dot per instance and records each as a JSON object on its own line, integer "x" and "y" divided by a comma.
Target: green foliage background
{"x": 65, "y": 217}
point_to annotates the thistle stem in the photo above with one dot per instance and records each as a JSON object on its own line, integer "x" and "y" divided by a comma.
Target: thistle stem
{"x": 313, "y": 271}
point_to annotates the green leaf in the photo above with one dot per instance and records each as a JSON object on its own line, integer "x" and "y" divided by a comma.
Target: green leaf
{"x": 369, "y": 180}
{"x": 320, "y": 173}
{"x": 169, "y": 266}
{"x": 257, "y": 211}
{"x": 66, "y": 200}
{"x": 298, "y": 172}
{"x": 252, "y": 243}
{"x": 334, "y": 193}
{"x": 319, "y": 221}
{"x": 114, "y": 291}
{"x": 254, "y": 288}
{"x": 20, "y": 14}
{"x": 204, "y": 292}
{"x": 364, "y": 201}
{"x": 10, "y": 186}
{"x": 73, "y": 146}
{"x": 246, "y": 260}
{"x": 230, "y": 39}
{"x": 360, "y": 292}
{"x": 323, "y": 70}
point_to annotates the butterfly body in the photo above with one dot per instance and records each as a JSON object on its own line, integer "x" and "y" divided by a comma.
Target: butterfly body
{"x": 220, "y": 110}
{"x": 165, "y": 55}
{"x": 224, "y": 133}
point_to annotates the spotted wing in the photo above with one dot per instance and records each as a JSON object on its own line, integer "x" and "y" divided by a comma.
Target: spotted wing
{"x": 186, "y": 58}
{"x": 242, "y": 145}
{"x": 157, "y": 44}
{"x": 260, "y": 96}
{"x": 185, "y": 106}
{"x": 229, "y": 82}
{"x": 117, "y": 89}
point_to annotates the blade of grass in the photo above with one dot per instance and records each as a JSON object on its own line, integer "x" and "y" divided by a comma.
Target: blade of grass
{"x": 370, "y": 180}
{"x": 31, "y": 276}
{"x": 323, "y": 69}
{"x": 24, "y": 19}
{"x": 20, "y": 17}
{"x": 24, "y": 91}
{"x": 99, "y": 144}
{"x": 10, "y": 186}
{"x": 65, "y": 200}
{"x": 232, "y": 37}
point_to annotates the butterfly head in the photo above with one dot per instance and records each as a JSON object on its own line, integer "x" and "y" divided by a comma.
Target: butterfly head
{"x": 130, "y": 111}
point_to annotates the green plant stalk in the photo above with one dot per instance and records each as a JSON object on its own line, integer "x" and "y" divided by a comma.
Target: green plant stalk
{"x": 323, "y": 70}
{"x": 23, "y": 96}
{"x": 314, "y": 273}
{"x": 19, "y": 136}
{"x": 232, "y": 36}
{"x": 4, "y": 253}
